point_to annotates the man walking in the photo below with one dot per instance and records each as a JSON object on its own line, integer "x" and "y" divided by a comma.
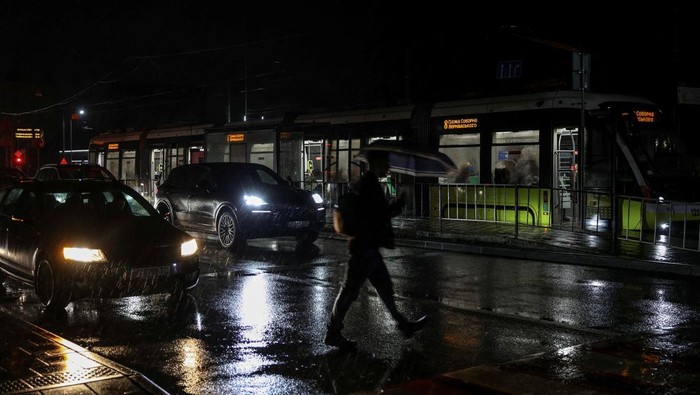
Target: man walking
{"x": 366, "y": 262}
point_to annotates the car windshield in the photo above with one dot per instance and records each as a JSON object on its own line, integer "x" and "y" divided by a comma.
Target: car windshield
{"x": 667, "y": 168}
{"x": 114, "y": 200}
{"x": 259, "y": 176}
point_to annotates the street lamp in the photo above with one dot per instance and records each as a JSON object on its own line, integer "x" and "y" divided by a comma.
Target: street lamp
{"x": 73, "y": 116}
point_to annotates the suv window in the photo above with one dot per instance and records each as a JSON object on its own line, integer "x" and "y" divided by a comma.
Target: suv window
{"x": 178, "y": 177}
{"x": 188, "y": 176}
{"x": 266, "y": 178}
{"x": 197, "y": 174}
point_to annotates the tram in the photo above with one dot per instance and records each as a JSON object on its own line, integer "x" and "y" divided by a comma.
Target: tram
{"x": 538, "y": 158}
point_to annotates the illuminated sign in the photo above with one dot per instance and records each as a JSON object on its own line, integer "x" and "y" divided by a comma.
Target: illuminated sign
{"x": 460, "y": 123}
{"x": 235, "y": 137}
{"x": 645, "y": 116}
{"x": 28, "y": 133}
{"x": 113, "y": 146}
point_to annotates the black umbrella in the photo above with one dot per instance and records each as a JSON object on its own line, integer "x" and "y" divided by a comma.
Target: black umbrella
{"x": 409, "y": 158}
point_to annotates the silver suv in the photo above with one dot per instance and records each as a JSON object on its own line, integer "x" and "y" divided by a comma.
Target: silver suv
{"x": 232, "y": 202}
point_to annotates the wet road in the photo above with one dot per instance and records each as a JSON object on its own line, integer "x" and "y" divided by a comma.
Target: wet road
{"x": 256, "y": 321}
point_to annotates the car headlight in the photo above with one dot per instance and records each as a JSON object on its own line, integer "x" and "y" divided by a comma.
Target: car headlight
{"x": 84, "y": 254}
{"x": 252, "y": 200}
{"x": 317, "y": 198}
{"x": 188, "y": 248}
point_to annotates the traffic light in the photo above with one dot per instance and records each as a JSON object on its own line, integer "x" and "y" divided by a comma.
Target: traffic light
{"x": 19, "y": 158}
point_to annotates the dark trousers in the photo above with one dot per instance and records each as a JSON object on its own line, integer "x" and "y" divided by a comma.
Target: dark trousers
{"x": 364, "y": 264}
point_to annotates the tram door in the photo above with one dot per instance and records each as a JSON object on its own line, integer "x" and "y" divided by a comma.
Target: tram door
{"x": 157, "y": 171}
{"x": 313, "y": 164}
{"x": 291, "y": 157}
{"x": 565, "y": 173}
{"x": 237, "y": 152}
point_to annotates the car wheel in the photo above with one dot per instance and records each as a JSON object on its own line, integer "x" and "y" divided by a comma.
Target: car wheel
{"x": 227, "y": 229}
{"x": 52, "y": 295}
{"x": 164, "y": 212}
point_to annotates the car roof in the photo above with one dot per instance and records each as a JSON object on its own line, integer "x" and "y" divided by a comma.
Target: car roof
{"x": 75, "y": 185}
{"x": 80, "y": 170}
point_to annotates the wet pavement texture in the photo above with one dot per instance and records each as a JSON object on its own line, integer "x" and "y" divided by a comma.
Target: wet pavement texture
{"x": 660, "y": 363}
{"x": 36, "y": 361}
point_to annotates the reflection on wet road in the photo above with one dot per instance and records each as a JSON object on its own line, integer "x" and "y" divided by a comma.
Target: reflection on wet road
{"x": 255, "y": 322}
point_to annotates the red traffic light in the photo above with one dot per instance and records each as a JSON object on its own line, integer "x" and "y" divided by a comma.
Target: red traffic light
{"x": 19, "y": 158}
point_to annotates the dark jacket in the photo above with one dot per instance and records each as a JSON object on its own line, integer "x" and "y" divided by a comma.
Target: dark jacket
{"x": 375, "y": 213}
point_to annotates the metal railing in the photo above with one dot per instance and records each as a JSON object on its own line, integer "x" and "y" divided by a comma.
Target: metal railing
{"x": 672, "y": 224}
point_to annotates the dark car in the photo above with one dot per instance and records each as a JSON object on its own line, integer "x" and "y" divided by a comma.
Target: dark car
{"x": 91, "y": 239}
{"x": 10, "y": 175}
{"x": 73, "y": 172}
{"x": 233, "y": 202}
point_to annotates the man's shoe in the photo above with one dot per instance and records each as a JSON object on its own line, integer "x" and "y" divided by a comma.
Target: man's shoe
{"x": 336, "y": 339}
{"x": 408, "y": 328}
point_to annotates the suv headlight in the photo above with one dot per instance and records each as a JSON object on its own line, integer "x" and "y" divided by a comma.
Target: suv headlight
{"x": 317, "y": 198}
{"x": 252, "y": 200}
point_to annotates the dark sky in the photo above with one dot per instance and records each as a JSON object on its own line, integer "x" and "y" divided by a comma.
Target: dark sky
{"x": 76, "y": 44}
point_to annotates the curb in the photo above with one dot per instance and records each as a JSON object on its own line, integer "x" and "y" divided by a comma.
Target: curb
{"x": 541, "y": 253}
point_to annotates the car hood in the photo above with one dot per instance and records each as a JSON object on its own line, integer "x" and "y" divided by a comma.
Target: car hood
{"x": 121, "y": 237}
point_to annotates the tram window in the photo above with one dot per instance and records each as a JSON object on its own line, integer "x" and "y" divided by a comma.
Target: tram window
{"x": 113, "y": 162}
{"x": 464, "y": 151}
{"x": 467, "y": 161}
{"x": 128, "y": 165}
{"x": 515, "y": 157}
{"x": 597, "y": 161}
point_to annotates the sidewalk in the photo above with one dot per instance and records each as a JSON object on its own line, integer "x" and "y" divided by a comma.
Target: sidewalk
{"x": 545, "y": 244}
{"x": 35, "y": 361}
